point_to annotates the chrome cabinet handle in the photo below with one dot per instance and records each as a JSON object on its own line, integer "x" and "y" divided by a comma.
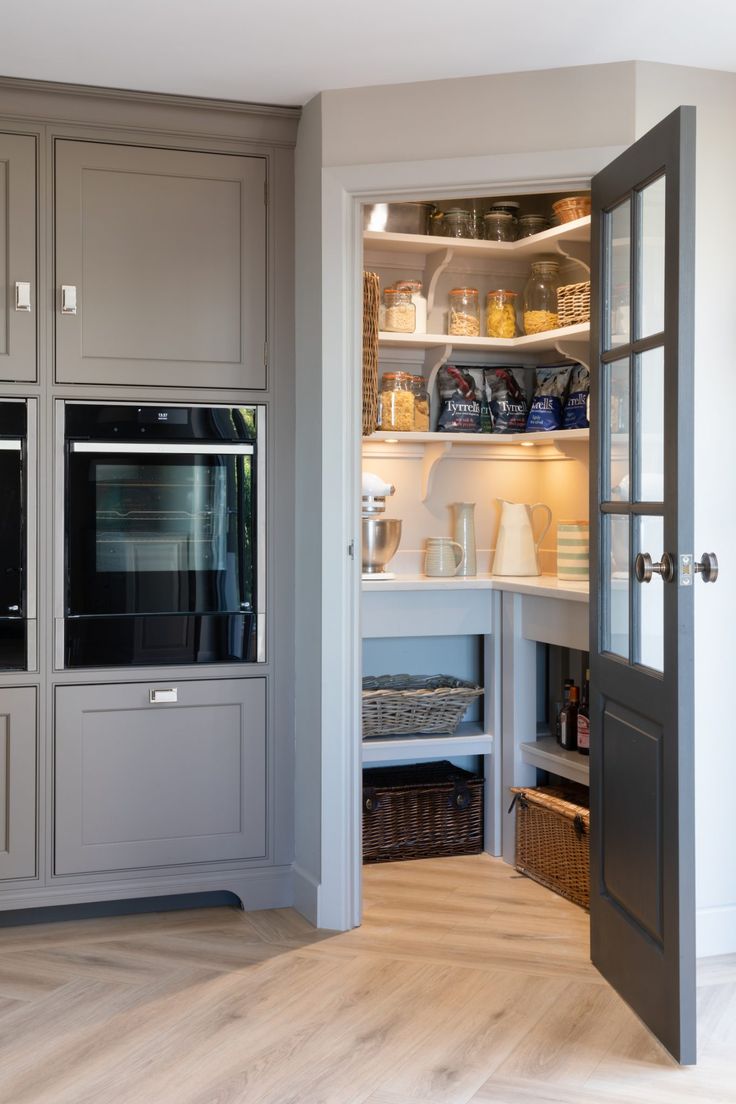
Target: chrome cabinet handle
{"x": 166, "y": 694}
{"x": 68, "y": 299}
{"x": 644, "y": 568}
{"x": 22, "y": 295}
{"x": 707, "y": 567}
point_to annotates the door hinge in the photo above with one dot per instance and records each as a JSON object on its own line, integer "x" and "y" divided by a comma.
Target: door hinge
{"x": 351, "y": 550}
{"x": 265, "y": 353}
{"x": 265, "y": 192}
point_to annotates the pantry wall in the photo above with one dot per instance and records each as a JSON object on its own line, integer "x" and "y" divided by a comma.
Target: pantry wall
{"x": 424, "y": 141}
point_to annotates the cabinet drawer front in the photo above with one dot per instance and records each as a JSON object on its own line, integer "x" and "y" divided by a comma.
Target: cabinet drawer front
{"x": 18, "y": 257}
{"x": 142, "y": 782}
{"x": 165, "y": 251}
{"x": 18, "y": 737}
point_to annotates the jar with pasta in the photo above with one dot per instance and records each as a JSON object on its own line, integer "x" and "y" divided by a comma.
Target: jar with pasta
{"x": 396, "y": 402}
{"x": 464, "y": 315}
{"x": 501, "y": 313}
{"x": 419, "y": 299}
{"x": 540, "y": 297}
{"x": 401, "y": 314}
{"x": 421, "y": 404}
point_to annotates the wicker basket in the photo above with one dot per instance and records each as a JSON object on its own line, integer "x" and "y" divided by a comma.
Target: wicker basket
{"x": 422, "y": 811}
{"x": 395, "y": 705}
{"x": 371, "y": 296}
{"x": 553, "y": 839}
{"x": 573, "y": 304}
{"x": 571, "y": 208}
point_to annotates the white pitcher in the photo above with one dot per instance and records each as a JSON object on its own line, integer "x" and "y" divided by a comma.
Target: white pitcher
{"x": 516, "y": 548}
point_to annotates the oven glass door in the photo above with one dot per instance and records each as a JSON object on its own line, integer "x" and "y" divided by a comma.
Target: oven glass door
{"x": 12, "y": 622}
{"x": 165, "y": 532}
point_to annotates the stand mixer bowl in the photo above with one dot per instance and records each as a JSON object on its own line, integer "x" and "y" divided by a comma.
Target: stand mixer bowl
{"x": 381, "y": 538}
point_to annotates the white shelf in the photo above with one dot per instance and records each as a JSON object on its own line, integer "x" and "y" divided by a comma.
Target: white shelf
{"x": 470, "y": 739}
{"x": 547, "y": 754}
{"x": 539, "y": 245}
{"x": 547, "y": 342}
{"x": 503, "y": 439}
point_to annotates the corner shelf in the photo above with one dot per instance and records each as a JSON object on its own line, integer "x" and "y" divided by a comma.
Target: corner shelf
{"x": 546, "y": 754}
{"x": 546, "y": 342}
{"x": 470, "y": 739}
{"x": 431, "y": 448}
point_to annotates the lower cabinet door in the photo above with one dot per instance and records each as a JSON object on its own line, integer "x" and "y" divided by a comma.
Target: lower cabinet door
{"x": 155, "y": 774}
{"x": 18, "y": 758}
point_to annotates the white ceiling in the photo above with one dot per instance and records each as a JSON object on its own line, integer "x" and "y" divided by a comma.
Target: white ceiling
{"x": 287, "y": 50}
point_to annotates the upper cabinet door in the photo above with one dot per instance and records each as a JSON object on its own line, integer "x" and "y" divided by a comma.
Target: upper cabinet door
{"x": 17, "y": 257}
{"x": 642, "y": 886}
{"x": 160, "y": 267}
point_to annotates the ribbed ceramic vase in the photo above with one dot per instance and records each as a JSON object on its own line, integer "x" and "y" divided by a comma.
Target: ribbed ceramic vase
{"x": 464, "y": 534}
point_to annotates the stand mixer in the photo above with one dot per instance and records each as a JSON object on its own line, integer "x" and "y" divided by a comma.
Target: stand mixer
{"x": 380, "y": 535}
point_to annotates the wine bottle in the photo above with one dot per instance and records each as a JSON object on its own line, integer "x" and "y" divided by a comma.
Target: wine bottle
{"x": 583, "y": 737}
{"x": 565, "y": 699}
{"x": 569, "y": 722}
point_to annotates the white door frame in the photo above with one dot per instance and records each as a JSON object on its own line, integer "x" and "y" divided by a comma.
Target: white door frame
{"x": 344, "y": 188}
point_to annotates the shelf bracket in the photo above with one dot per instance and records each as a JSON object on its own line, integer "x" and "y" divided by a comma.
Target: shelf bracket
{"x": 577, "y": 251}
{"x": 433, "y": 453}
{"x": 574, "y": 349}
{"x": 435, "y": 265}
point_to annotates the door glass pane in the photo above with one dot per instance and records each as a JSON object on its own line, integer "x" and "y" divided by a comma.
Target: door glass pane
{"x": 618, "y": 325}
{"x": 616, "y": 397}
{"x": 615, "y": 575}
{"x": 651, "y": 270}
{"x": 650, "y": 400}
{"x": 649, "y": 649}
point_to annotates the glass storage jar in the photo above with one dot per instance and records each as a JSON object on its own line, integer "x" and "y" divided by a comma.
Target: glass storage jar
{"x": 421, "y": 404}
{"x": 437, "y": 224}
{"x": 396, "y": 402}
{"x": 499, "y": 226}
{"x": 401, "y": 314}
{"x": 540, "y": 297}
{"x": 531, "y": 224}
{"x": 419, "y": 299}
{"x": 457, "y": 223}
{"x": 501, "y": 313}
{"x": 464, "y": 315}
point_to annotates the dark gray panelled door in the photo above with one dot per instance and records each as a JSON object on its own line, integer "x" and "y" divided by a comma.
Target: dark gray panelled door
{"x": 642, "y": 823}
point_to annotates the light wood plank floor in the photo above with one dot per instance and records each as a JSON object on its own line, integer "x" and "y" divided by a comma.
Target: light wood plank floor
{"x": 465, "y": 983}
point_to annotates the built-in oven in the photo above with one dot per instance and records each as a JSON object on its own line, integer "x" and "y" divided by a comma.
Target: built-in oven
{"x": 164, "y": 530}
{"x": 17, "y": 530}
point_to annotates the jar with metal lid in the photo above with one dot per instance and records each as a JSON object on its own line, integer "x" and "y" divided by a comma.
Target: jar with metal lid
{"x": 458, "y": 223}
{"x": 401, "y": 314}
{"x": 499, "y": 226}
{"x": 419, "y": 299}
{"x": 464, "y": 316}
{"x": 540, "y": 297}
{"x": 396, "y": 402}
{"x": 421, "y": 404}
{"x": 511, "y": 206}
{"x": 501, "y": 313}
{"x": 531, "y": 224}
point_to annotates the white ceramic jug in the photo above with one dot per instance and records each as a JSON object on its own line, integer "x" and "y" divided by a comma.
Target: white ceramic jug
{"x": 516, "y": 548}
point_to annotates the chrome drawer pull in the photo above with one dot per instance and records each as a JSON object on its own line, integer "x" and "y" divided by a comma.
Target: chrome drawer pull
{"x": 158, "y": 697}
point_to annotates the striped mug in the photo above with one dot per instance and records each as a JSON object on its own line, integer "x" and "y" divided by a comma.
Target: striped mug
{"x": 573, "y": 550}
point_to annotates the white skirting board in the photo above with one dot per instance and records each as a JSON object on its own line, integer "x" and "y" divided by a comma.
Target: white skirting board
{"x": 306, "y": 894}
{"x": 715, "y": 931}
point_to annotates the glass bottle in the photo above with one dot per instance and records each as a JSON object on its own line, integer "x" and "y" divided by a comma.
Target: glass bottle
{"x": 540, "y": 297}
{"x": 458, "y": 223}
{"x": 569, "y": 722}
{"x": 401, "y": 314}
{"x": 464, "y": 316}
{"x": 501, "y": 313}
{"x": 583, "y": 740}
{"x": 561, "y": 705}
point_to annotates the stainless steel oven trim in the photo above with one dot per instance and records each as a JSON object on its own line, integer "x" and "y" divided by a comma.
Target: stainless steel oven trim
{"x": 261, "y": 579}
{"x": 31, "y": 519}
{"x": 59, "y": 536}
{"x": 161, "y": 448}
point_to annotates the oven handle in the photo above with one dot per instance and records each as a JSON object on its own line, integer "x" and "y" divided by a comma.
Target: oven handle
{"x": 9, "y": 444}
{"x": 158, "y": 448}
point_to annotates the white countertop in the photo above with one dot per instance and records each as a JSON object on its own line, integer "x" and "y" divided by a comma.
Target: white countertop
{"x": 545, "y": 586}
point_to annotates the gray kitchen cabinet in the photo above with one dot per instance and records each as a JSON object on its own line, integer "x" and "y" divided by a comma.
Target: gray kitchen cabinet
{"x": 160, "y": 267}
{"x": 18, "y": 738}
{"x": 142, "y": 783}
{"x": 18, "y": 286}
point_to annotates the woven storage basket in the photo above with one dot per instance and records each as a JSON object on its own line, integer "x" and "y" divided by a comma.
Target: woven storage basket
{"x": 422, "y": 811}
{"x": 573, "y": 304}
{"x": 553, "y": 839}
{"x": 398, "y": 704}
{"x": 371, "y": 296}
{"x": 571, "y": 208}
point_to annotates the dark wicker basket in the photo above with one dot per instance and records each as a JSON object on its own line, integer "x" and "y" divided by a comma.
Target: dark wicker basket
{"x": 422, "y": 811}
{"x": 553, "y": 839}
